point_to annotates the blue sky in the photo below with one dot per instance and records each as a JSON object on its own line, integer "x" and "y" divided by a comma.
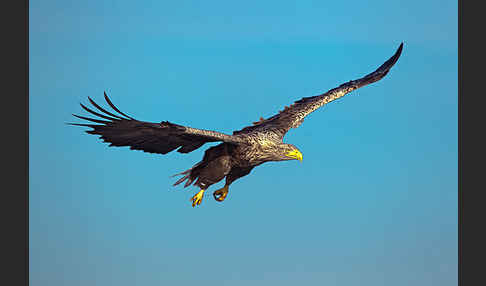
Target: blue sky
{"x": 373, "y": 203}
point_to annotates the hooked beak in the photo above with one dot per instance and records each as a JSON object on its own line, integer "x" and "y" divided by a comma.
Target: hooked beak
{"x": 295, "y": 154}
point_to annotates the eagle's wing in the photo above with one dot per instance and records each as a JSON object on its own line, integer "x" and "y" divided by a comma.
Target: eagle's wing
{"x": 162, "y": 138}
{"x": 293, "y": 116}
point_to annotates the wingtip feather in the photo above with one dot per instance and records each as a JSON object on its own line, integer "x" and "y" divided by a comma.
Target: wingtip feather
{"x": 92, "y": 119}
{"x": 114, "y": 107}
{"x": 103, "y": 110}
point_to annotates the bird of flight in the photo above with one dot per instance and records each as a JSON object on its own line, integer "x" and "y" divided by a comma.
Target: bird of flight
{"x": 237, "y": 154}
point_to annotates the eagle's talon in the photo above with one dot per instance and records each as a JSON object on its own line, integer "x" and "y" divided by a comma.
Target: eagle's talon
{"x": 221, "y": 194}
{"x": 197, "y": 198}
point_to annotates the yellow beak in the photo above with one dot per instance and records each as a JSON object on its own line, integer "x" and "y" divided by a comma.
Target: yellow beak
{"x": 295, "y": 154}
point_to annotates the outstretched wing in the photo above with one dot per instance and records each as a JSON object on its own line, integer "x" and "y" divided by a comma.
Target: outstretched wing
{"x": 293, "y": 116}
{"x": 162, "y": 138}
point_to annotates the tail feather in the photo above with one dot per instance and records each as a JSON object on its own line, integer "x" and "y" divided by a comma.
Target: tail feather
{"x": 189, "y": 182}
{"x": 182, "y": 173}
{"x": 182, "y": 180}
{"x": 190, "y": 175}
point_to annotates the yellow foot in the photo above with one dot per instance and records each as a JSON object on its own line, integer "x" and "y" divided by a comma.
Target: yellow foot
{"x": 221, "y": 194}
{"x": 197, "y": 199}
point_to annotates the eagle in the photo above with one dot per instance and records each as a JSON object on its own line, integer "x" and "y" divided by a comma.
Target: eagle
{"x": 237, "y": 154}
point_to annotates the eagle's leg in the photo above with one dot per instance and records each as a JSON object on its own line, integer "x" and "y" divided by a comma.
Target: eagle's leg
{"x": 197, "y": 198}
{"x": 221, "y": 194}
{"x": 235, "y": 173}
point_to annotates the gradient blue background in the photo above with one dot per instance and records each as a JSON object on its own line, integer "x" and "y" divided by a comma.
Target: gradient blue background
{"x": 373, "y": 203}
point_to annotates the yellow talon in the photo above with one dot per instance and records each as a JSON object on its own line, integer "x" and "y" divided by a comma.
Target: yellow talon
{"x": 221, "y": 194}
{"x": 197, "y": 198}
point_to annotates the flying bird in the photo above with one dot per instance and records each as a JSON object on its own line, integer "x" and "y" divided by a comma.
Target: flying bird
{"x": 237, "y": 154}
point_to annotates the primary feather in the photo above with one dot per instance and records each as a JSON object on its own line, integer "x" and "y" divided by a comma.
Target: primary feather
{"x": 161, "y": 138}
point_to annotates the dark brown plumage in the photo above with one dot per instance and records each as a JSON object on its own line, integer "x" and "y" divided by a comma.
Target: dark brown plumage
{"x": 238, "y": 153}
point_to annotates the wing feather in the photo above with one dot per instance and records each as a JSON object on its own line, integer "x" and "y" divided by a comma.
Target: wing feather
{"x": 160, "y": 138}
{"x": 113, "y": 106}
{"x": 97, "y": 114}
{"x": 293, "y": 116}
{"x": 102, "y": 109}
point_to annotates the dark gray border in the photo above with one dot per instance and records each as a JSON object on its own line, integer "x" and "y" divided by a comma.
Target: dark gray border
{"x": 471, "y": 145}
{"x": 15, "y": 144}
